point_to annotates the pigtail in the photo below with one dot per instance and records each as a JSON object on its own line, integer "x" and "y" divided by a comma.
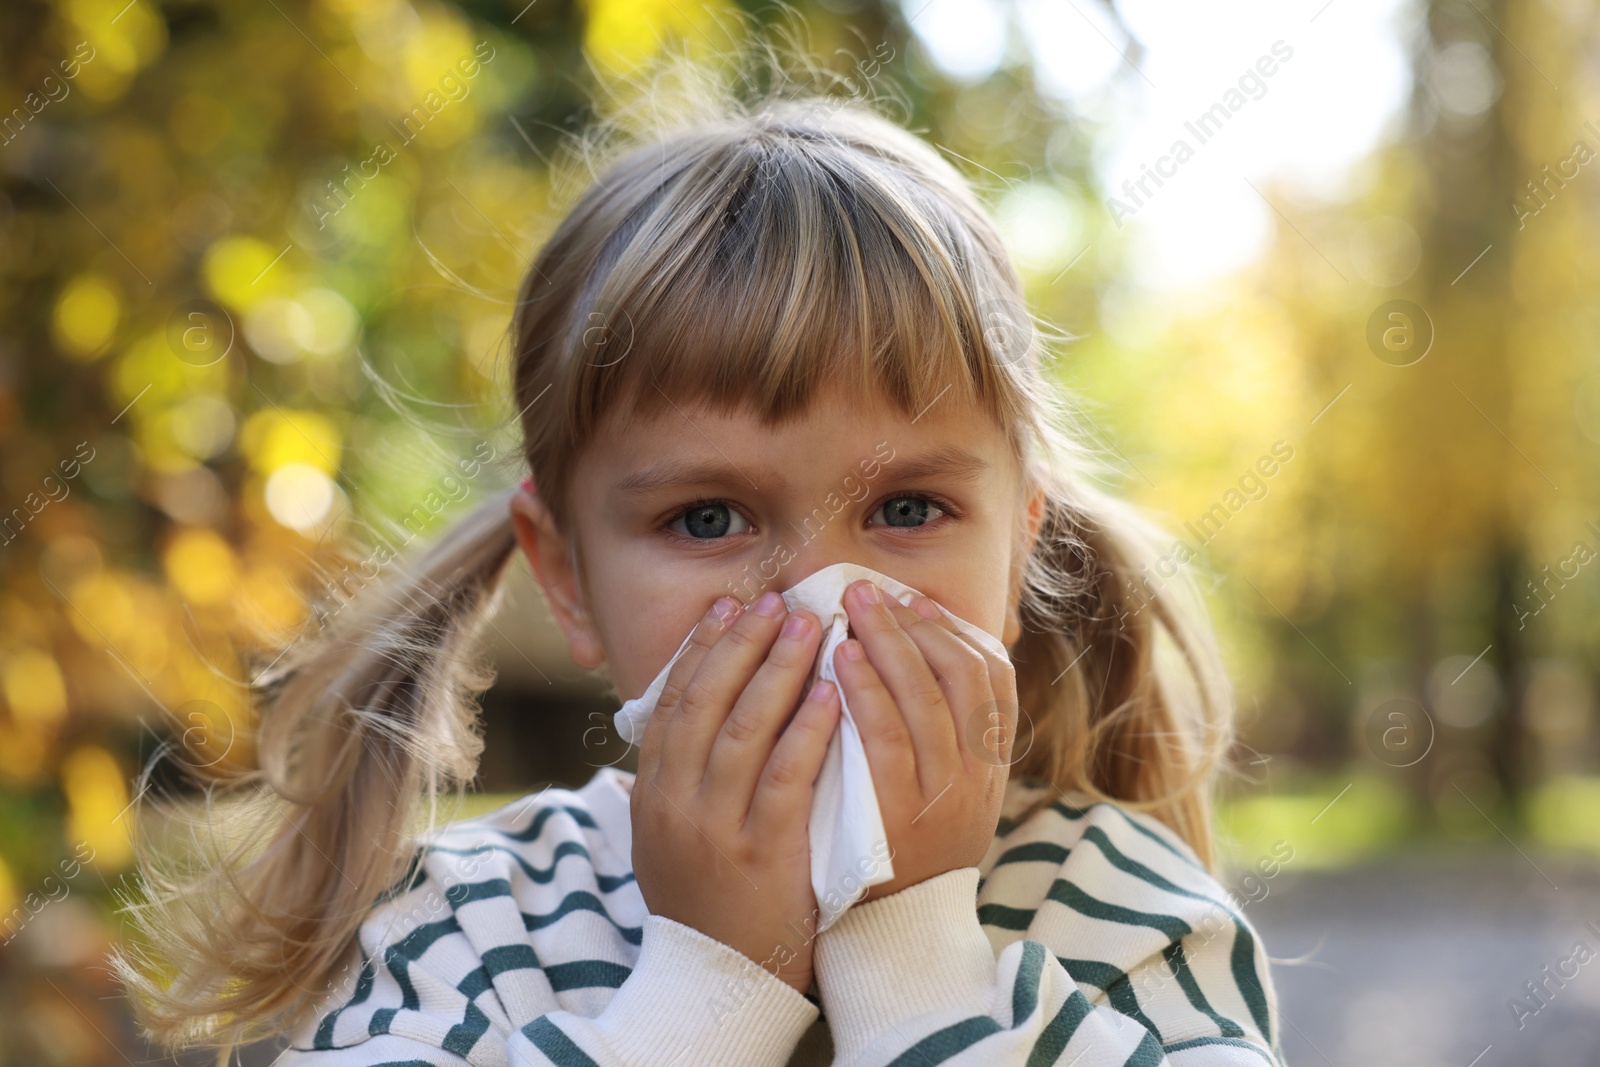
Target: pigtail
{"x": 362, "y": 727}
{"x": 1118, "y": 669}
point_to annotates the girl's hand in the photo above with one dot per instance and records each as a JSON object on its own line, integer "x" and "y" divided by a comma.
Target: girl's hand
{"x": 914, "y": 696}
{"x": 721, "y": 804}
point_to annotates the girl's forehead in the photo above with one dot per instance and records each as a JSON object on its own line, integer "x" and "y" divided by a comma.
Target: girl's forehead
{"x": 833, "y": 405}
{"x": 840, "y": 430}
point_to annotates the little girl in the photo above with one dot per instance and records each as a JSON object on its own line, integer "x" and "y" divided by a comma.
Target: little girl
{"x": 781, "y": 337}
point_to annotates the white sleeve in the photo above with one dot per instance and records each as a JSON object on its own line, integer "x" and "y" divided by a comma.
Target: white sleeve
{"x": 390, "y": 1050}
{"x": 689, "y": 1000}
{"x": 915, "y": 971}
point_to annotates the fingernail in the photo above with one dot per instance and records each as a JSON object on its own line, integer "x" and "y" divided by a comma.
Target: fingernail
{"x": 851, "y": 648}
{"x": 869, "y": 593}
{"x": 725, "y": 608}
{"x": 770, "y": 604}
{"x": 926, "y": 608}
{"x": 819, "y": 692}
{"x": 795, "y": 627}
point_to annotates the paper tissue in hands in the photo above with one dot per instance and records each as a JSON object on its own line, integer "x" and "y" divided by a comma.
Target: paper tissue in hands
{"x": 849, "y": 851}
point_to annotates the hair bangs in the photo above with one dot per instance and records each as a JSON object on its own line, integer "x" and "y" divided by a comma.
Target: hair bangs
{"x": 776, "y": 267}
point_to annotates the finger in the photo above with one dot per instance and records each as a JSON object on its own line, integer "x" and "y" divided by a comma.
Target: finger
{"x": 1002, "y": 673}
{"x": 745, "y": 741}
{"x": 1000, "y": 717}
{"x": 961, "y": 668}
{"x": 784, "y": 791}
{"x": 925, "y": 607}
{"x": 708, "y": 696}
{"x": 705, "y": 634}
{"x": 906, "y": 673}
{"x": 885, "y": 735}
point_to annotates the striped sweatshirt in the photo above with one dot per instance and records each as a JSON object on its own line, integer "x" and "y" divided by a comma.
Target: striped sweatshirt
{"x": 1090, "y": 935}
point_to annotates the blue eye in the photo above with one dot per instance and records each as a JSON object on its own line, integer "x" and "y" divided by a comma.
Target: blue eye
{"x": 713, "y": 520}
{"x": 910, "y": 510}
{"x": 706, "y": 520}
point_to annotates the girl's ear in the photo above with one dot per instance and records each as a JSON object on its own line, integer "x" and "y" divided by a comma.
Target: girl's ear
{"x": 549, "y": 553}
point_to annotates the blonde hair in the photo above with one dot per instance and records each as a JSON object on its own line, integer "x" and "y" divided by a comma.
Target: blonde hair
{"x": 741, "y": 253}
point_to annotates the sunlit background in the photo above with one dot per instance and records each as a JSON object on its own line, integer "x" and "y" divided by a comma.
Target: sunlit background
{"x": 1331, "y": 266}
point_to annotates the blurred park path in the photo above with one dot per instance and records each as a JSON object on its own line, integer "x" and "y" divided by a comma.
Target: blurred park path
{"x": 1411, "y": 961}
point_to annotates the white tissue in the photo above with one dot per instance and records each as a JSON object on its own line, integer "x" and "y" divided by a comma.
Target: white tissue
{"x": 849, "y": 851}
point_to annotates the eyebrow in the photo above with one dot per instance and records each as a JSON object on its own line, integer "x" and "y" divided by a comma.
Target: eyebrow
{"x": 951, "y": 461}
